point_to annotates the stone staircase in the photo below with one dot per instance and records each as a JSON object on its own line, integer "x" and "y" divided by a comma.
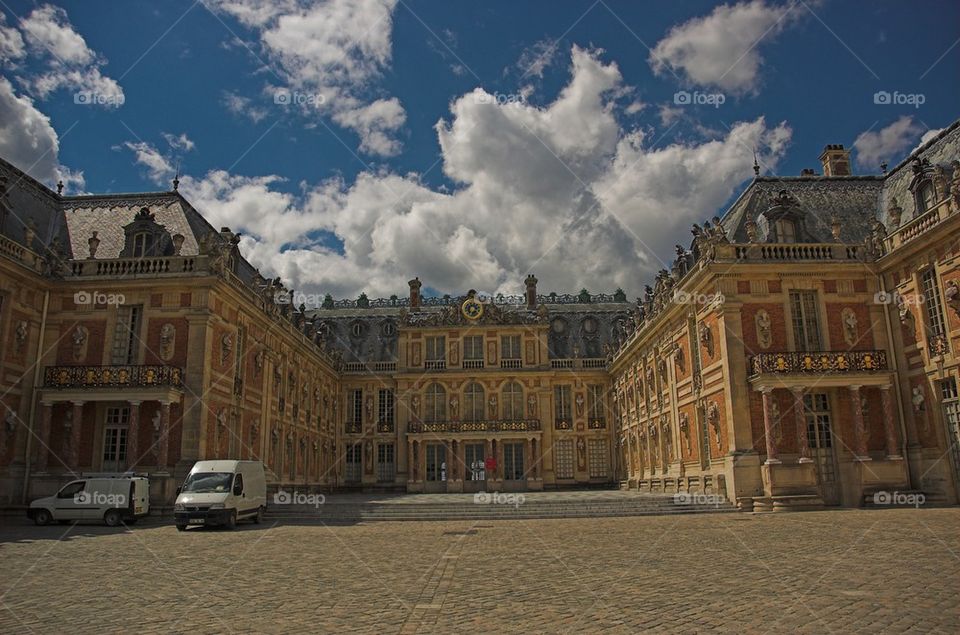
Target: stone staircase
{"x": 500, "y": 506}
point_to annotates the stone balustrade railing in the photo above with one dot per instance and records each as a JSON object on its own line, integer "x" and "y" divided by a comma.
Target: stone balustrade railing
{"x": 17, "y": 252}
{"x": 448, "y": 427}
{"x": 779, "y": 252}
{"x": 917, "y": 226}
{"x": 157, "y": 266}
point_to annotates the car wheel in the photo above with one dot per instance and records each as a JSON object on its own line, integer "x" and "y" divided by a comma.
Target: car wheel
{"x": 42, "y": 517}
{"x": 112, "y": 518}
{"x": 258, "y": 517}
{"x": 231, "y": 520}
{"x": 181, "y": 527}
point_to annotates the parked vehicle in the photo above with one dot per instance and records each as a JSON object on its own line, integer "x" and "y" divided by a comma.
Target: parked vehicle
{"x": 113, "y": 499}
{"x": 221, "y": 492}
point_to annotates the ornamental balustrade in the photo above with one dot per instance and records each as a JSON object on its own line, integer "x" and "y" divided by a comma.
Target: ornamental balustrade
{"x": 112, "y": 376}
{"x": 454, "y": 427}
{"x": 917, "y": 226}
{"x": 819, "y": 362}
{"x": 157, "y": 266}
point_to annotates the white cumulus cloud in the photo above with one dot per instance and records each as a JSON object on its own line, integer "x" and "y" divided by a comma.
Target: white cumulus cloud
{"x": 887, "y": 144}
{"x": 722, "y": 49}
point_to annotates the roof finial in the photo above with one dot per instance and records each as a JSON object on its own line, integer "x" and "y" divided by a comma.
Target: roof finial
{"x": 756, "y": 166}
{"x": 176, "y": 178}
{"x": 883, "y": 166}
{"x": 60, "y": 187}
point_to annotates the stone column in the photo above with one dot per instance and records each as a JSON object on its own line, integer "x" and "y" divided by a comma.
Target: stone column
{"x": 800, "y": 422}
{"x": 773, "y": 454}
{"x": 43, "y": 435}
{"x": 859, "y": 427}
{"x": 76, "y": 435}
{"x": 133, "y": 435}
{"x": 889, "y": 422}
{"x": 411, "y": 468}
{"x": 163, "y": 447}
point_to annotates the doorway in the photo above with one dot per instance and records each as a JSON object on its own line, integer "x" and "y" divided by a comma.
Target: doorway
{"x": 822, "y": 451}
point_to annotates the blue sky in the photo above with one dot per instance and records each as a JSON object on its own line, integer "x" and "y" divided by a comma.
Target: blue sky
{"x": 576, "y": 150}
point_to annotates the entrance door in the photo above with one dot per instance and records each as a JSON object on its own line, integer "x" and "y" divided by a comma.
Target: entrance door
{"x": 475, "y": 470}
{"x": 114, "y": 449}
{"x": 386, "y": 470}
{"x": 951, "y": 417}
{"x": 513, "y": 462}
{"x": 820, "y": 439}
{"x": 436, "y": 468}
{"x": 354, "y": 463}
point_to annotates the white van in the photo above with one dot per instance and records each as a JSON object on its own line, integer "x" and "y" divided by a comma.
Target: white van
{"x": 113, "y": 499}
{"x": 221, "y": 493}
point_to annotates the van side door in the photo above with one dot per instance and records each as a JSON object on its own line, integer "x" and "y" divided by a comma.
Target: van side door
{"x": 239, "y": 495}
{"x": 72, "y": 502}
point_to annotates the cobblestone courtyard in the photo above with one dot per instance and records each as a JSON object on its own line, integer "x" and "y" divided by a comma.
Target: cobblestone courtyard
{"x": 823, "y": 572}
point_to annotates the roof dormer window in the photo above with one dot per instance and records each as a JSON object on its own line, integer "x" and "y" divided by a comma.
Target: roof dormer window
{"x": 785, "y": 230}
{"x": 141, "y": 244}
{"x": 926, "y": 197}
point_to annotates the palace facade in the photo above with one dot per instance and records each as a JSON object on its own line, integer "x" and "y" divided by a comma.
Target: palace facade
{"x": 800, "y": 353}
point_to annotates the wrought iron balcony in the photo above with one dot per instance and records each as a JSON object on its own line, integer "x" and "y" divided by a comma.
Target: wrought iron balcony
{"x": 448, "y": 427}
{"x": 597, "y": 423}
{"x": 819, "y": 362}
{"x": 112, "y": 376}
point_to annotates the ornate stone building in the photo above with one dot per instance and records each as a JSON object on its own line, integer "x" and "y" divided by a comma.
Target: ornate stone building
{"x": 800, "y": 352}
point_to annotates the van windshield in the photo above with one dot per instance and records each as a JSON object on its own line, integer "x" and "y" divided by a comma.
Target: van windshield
{"x": 200, "y": 482}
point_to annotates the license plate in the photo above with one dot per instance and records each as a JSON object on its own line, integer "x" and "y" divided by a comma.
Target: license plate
{"x": 196, "y": 521}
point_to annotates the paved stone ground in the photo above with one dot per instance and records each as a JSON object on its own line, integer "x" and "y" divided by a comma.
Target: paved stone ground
{"x": 820, "y": 572}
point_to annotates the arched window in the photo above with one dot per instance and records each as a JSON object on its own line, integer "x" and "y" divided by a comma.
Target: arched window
{"x": 141, "y": 244}
{"x": 786, "y": 231}
{"x": 473, "y": 402}
{"x": 926, "y": 197}
{"x": 512, "y": 401}
{"x": 435, "y": 404}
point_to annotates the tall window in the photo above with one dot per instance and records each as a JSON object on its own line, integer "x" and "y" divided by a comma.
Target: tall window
{"x": 512, "y": 402}
{"x": 926, "y": 197}
{"x": 385, "y": 408}
{"x": 436, "y": 352}
{"x": 806, "y": 325}
{"x": 510, "y": 347}
{"x": 595, "y": 409}
{"x": 356, "y": 406}
{"x": 561, "y": 402}
{"x": 473, "y": 351}
{"x": 786, "y": 231}
{"x": 435, "y": 403}
{"x": 238, "y": 360}
{"x": 473, "y": 347}
{"x": 473, "y": 398}
{"x": 126, "y": 335}
{"x": 933, "y": 306}
{"x": 141, "y": 244}
{"x": 597, "y": 458}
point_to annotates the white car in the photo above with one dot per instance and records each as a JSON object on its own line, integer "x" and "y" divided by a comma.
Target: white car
{"x": 110, "y": 499}
{"x": 221, "y": 493}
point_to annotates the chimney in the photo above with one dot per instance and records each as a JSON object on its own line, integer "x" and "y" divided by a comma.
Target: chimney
{"x": 835, "y": 160}
{"x": 808, "y": 172}
{"x": 531, "y": 283}
{"x": 415, "y": 285}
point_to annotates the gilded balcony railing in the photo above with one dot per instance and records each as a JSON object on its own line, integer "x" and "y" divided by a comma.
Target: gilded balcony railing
{"x": 112, "y": 376}
{"x": 454, "y": 427}
{"x": 819, "y": 362}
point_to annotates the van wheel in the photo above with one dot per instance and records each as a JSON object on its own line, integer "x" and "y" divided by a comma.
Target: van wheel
{"x": 181, "y": 527}
{"x": 42, "y": 517}
{"x": 231, "y": 520}
{"x": 112, "y": 518}
{"x": 258, "y": 517}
